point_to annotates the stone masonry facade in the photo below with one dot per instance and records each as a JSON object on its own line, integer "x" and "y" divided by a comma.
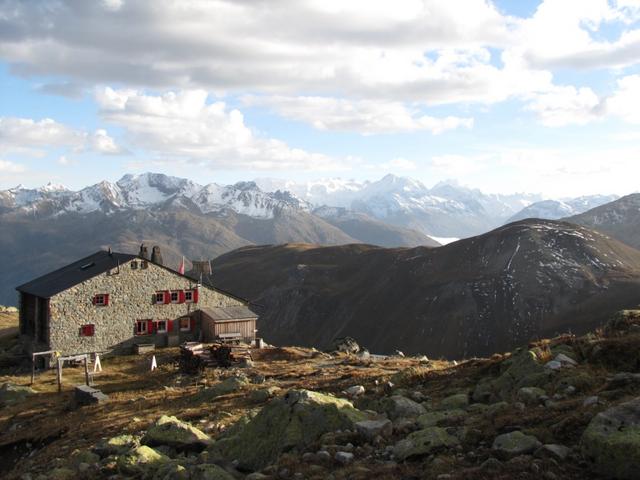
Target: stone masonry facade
{"x": 131, "y": 294}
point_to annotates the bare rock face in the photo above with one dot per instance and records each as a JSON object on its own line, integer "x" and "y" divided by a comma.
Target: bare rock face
{"x": 177, "y": 434}
{"x": 612, "y": 441}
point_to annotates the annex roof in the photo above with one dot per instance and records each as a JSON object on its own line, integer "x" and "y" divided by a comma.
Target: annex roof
{"x": 241, "y": 312}
{"x": 77, "y": 272}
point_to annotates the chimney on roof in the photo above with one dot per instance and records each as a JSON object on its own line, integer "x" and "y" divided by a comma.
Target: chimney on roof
{"x": 110, "y": 252}
{"x": 156, "y": 256}
{"x": 144, "y": 252}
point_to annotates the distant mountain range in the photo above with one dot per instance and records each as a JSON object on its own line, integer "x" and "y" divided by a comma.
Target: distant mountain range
{"x": 473, "y": 297}
{"x": 556, "y": 209}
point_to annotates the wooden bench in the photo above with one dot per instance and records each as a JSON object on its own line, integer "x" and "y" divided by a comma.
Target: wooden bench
{"x": 230, "y": 337}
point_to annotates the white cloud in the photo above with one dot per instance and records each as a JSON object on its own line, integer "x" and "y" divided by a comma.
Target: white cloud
{"x": 626, "y": 99}
{"x": 567, "y": 105}
{"x": 10, "y": 167}
{"x": 185, "y": 126}
{"x": 25, "y": 136}
{"x": 367, "y": 117}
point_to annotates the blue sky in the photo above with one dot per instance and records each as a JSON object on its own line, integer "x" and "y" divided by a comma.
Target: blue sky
{"x": 505, "y": 96}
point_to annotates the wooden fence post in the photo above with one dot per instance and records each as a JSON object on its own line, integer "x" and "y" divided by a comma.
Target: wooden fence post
{"x": 86, "y": 369}
{"x": 59, "y": 375}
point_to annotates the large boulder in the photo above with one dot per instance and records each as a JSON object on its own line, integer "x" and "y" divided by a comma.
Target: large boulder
{"x": 297, "y": 419}
{"x": 612, "y": 440}
{"x": 432, "y": 419}
{"x": 453, "y": 402}
{"x": 424, "y": 442}
{"x": 175, "y": 433}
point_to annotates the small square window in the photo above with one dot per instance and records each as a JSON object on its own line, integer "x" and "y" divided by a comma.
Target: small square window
{"x": 161, "y": 326}
{"x": 159, "y": 297}
{"x": 188, "y": 296}
{"x": 87, "y": 330}
{"x": 141, "y": 327}
{"x": 185, "y": 324}
{"x": 175, "y": 297}
{"x": 144, "y": 264}
{"x": 101, "y": 300}
{"x": 134, "y": 265}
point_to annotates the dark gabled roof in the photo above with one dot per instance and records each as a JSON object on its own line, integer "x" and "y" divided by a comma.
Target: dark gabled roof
{"x": 241, "y": 312}
{"x": 64, "y": 278}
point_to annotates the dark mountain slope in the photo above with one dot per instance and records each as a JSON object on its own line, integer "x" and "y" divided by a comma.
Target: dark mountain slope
{"x": 472, "y": 297}
{"x": 620, "y": 219}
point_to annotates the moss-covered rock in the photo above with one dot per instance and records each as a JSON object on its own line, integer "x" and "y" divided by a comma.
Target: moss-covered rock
{"x": 432, "y": 419}
{"x": 84, "y": 456}
{"x": 424, "y": 442}
{"x": 530, "y": 395}
{"x": 116, "y": 445}
{"x": 612, "y": 441}
{"x": 453, "y": 402}
{"x": 296, "y": 420}
{"x": 62, "y": 473}
{"x": 142, "y": 461}
{"x": 227, "y": 386}
{"x": 209, "y": 472}
{"x": 515, "y": 443}
{"x": 523, "y": 369}
{"x": 177, "y": 434}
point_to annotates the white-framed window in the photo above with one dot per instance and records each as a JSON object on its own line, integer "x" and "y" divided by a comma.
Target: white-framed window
{"x": 175, "y": 296}
{"x": 159, "y": 298}
{"x": 185, "y": 324}
{"x": 161, "y": 326}
{"x": 142, "y": 327}
{"x": 188, "y": 296}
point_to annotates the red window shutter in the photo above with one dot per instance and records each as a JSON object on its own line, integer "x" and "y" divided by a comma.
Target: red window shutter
{"x": 169, "y": 325}
{"x": 106, "y": 299}
{"x": 192, "y": 324}
{"x": 150, "y": 326}
{"x": 181, "y": 296}
{"x": 167, "y": 297}
{"x": 94, "y": 299}
{"x": 195, "y": 295}
{"x": 91, "y": 330}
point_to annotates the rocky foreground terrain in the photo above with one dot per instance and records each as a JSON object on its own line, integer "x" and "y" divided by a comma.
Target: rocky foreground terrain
{"x": 565, "y": 408}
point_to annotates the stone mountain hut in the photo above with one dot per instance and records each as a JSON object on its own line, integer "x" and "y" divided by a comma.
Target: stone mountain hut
{"x": 110, "y": 301}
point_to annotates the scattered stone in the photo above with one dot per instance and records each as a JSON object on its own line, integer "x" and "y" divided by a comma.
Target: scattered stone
{"x": 559, "y": 452}
{"x": 344, "y": 458}
{"x": 346, "y": 345}
{"x": 370, "y": 429}
{"x": 591, "y": 401}
{"x": 230, "y": 385}
{"x": 424, "y": 359}
{"x": 258, "y": 379}
{"x": 515, "y": 443}
{"x": 86, "y": 395}
{"x": 399, "y": 353}
{"x": 364, "y": 355}
{"x": 491, "y": 465}
{"x": 530, "y": 395}
{"x": 398, "y": 406}
{"x": 264, "y": 394}
{"x": 256, "y": 476}
{"x": 355, "y": 391}
{"x": 424, "y": 442}
{"x": 61, "y": 473}
{"x": 459, "y": 401}
{"x": 612, "y": 440}
{"x": 175, "y": 433}
{"x": 624, "y": 379}
{"x": 116, "y": 445}
{"x": 553, "y": 365}
{"x": 565, "y": 360}
{"x": 246, "y": 363}
{"x": 323, "y": 455}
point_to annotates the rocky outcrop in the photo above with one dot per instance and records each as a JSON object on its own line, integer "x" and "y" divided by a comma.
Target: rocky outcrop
{"x": 295, "y": 420}
{"x": 612, "y": 441}
{"x": 424, "y": 442}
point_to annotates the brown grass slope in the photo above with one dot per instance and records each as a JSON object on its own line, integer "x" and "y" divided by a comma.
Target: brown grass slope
{"x": 473, "y": 297}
